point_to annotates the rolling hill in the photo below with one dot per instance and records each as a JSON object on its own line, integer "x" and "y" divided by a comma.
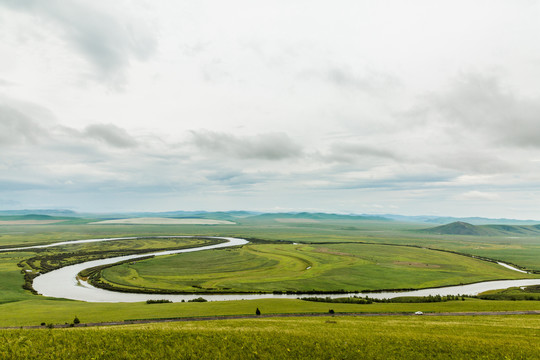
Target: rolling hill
{"x": 463, "y": 228}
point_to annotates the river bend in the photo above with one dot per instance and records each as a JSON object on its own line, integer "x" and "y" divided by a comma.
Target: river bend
{"x": 63, "y": 282}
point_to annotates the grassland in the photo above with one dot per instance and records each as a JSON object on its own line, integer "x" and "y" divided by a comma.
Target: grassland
{"x": 22, "y": 308}
{"x": 520, "y": 250}
{"x": 511, "y": 337}
{"x": 288, "y": 267}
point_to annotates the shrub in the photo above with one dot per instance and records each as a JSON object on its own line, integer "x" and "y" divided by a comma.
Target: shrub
{"x": 199, "y": 299}
{"x": 162, "y": 301}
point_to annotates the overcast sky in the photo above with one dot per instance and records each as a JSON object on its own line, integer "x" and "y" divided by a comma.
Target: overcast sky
{"x": 409, "y": 107}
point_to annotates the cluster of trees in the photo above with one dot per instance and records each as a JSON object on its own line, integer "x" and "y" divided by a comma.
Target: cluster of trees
{"x": 199, "y": 299}
{"x": 162, "y": 301}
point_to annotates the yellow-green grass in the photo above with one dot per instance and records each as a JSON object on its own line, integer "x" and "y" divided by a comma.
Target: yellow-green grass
{"x": 486, "y": 337}
{"x": 42, "y": 310}
{"x": 326, "y": 267}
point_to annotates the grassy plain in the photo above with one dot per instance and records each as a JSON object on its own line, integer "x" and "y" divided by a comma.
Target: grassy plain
{"x": 325, "y": 267}
{"x": 22, "y": 308}
{"x": 486, "y": 337}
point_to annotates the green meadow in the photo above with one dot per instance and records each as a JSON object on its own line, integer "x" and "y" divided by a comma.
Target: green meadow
{"x": 288, "y": 267}
{"x": 466, "y": 337}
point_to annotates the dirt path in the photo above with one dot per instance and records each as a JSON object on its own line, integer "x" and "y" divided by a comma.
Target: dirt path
{"x": 233, "y": 317}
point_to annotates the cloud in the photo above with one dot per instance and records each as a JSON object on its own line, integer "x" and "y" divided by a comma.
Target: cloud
{"x": 353, "y": 152}
{"x": 480, "y": 106}
{"x": 111, "y": 135}
{"x": 478, "y": 195}
{"x": 18, "y": 128}
{"x": 345, "y": 77}
{"x": 20, "y": 125}
{"x": 269, "y": 146}
{"x": 108, "y": 39}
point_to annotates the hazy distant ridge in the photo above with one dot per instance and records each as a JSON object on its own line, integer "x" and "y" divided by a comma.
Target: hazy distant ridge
{"x": 463, "y": 228}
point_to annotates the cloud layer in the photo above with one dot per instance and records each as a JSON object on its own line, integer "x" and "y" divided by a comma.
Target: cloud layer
{"x": 359, "y": 107}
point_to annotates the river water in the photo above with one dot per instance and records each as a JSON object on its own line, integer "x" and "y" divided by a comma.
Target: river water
{"x": 63, "y": 283}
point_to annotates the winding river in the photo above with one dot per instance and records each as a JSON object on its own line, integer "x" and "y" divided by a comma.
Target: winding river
{"x": 63, "y": 283}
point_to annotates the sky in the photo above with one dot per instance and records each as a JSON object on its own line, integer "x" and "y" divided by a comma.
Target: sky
{"x": 416, "y": 108}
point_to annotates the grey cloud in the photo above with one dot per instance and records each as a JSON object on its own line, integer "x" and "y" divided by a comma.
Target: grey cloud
{"x": 20, "y": 124}
{"x": 394, "y": 181}
{"x": 352, "y": 152}
{"x": 235, "y": 179}
{"x": 16, "y": 127}
{"x": 474, "y": 162}
{"x": 270, "y": 146}
{"x": 107, "y": 40}
{"x": 111, "y": 135}
{"x": 482, "y": 106}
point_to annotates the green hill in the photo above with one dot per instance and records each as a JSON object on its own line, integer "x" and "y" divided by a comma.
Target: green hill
{"x": 463, "y": 228}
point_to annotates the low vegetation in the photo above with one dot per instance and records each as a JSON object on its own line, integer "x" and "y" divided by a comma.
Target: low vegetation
{"x": 464, "y": 337}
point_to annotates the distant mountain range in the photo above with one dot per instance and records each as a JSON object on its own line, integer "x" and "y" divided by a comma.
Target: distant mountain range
{"x": 48, "y": 212}
{"x": 448, "y": 219}
{"x": 316, "y": 216}
{"x": 463, "y": 228}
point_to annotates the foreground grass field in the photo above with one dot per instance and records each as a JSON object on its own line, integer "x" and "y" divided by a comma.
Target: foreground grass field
{"x": 487, "y": 337}
{"x": 325, "y": 267}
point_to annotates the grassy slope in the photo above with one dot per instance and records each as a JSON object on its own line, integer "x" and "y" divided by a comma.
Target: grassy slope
{"x": 304, "y": 267}
{"x": 312, "y": 338}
